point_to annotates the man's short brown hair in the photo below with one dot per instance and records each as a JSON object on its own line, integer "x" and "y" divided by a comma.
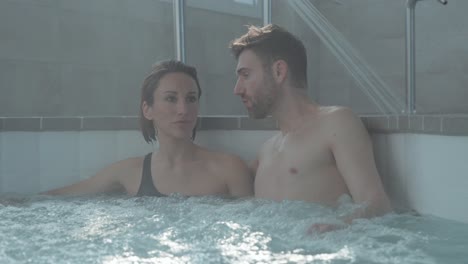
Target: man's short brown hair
{"x": 272, "y": 43}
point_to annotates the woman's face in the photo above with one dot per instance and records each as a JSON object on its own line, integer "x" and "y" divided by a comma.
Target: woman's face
{"x": 175, "y": 107}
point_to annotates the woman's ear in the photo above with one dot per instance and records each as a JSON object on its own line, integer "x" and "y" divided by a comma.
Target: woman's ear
{"x": 146, "y": 109}
{"x": 280, "y": 71}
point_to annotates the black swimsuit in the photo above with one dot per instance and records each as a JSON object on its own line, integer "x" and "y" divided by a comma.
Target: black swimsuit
{"x": 147, "y": 186}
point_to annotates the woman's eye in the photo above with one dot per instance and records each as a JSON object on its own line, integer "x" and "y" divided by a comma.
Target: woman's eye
{"x": 191, "y": 99}
{"x": 171, "y": 99}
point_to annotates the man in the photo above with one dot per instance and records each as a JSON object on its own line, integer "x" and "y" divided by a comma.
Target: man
{"x": 321, "y": 152}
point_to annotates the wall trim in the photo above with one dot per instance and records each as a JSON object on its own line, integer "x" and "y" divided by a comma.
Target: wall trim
{"x": 419, "y": 124}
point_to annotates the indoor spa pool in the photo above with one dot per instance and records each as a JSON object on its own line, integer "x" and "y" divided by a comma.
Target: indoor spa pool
{"x": 175, "y": 229}
{"x": 74, "y": 102}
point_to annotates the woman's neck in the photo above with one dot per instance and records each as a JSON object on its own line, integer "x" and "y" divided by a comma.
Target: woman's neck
{"x": 176, "y": 150}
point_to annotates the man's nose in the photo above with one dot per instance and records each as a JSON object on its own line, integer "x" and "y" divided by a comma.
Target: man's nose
{"x": 238, "y": 88}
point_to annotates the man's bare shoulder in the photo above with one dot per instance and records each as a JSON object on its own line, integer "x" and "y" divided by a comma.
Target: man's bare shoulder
{"x": 338, "y": 116}
{"x": 270, "y": 142}
{"x": 341, "y": 124}
{"x": 333, "y": 111}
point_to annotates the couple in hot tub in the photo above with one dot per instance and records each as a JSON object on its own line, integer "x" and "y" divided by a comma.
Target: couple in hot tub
{"x": 319, "y": 154}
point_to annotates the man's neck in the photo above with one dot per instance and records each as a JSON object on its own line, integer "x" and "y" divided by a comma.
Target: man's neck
{"x": 293, "y": 108}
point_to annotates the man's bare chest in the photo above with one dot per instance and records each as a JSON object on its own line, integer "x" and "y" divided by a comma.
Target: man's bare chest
{"x": 300, "y": 151}
{"x": 296, "y": 171}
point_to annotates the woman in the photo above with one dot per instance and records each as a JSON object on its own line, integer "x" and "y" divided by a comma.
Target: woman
{"x": 168, "y": 113}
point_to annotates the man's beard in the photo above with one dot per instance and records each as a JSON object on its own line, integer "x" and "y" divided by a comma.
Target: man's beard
{"x": 263, "y": 105}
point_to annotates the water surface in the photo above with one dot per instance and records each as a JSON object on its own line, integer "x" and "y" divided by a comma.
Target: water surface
{"x": 175, "y": 229}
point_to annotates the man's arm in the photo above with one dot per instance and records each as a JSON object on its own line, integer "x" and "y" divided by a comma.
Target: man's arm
{"x": 352, "y": 148}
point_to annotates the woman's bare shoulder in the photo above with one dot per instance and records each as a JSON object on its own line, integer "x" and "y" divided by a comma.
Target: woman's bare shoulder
{"x": 223, "y": 160}
{"x": 126, "y": 164}
{"x": 132, "y": 162}
{"x": 124, "y": 169}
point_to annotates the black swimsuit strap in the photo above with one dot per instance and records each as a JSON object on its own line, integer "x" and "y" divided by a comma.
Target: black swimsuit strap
{"x": 147, "y": 187}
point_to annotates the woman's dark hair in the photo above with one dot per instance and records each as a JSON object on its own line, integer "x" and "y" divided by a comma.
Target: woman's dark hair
{"x": 151, "y": 83}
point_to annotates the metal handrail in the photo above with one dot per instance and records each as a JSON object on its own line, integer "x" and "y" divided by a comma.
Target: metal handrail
{"x": 410, "y": 55}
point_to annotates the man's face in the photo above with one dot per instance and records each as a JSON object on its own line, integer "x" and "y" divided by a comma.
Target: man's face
{"x": 255, "y": 85}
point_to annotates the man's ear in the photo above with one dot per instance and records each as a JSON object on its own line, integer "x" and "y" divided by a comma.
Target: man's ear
{"x": 146, "y": 109}
{"x": 280, "y": 71}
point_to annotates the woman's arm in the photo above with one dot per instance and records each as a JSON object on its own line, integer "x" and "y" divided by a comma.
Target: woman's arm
{"x": 238, "y": 177}
{"x": 106, "y": 180}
